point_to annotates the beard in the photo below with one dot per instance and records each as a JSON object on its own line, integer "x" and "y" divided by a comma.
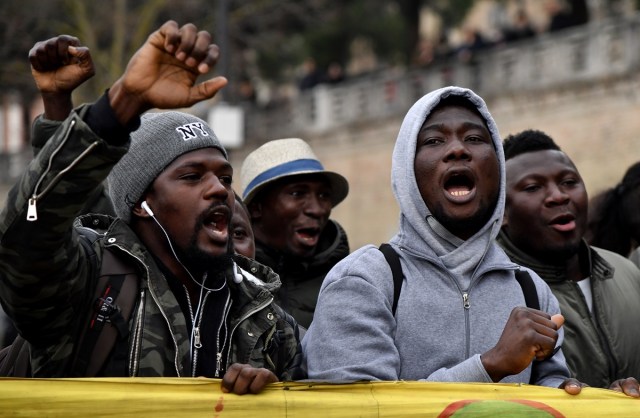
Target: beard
{"x": 216, "y": 266}
{"x": 200, "y": 262}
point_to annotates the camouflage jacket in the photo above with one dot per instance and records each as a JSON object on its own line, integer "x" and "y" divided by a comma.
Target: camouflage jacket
{"x": 98, "y": 201}
{"x": 47, "y": 277}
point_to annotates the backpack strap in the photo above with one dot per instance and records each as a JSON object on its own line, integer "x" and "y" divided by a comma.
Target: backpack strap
{"x": 531, "y": 300}
{"x": 108, "y": 322}
{"x": 528, "y": 289}
{"x": 396, "y": 270}
{"x": 522, "y": 276}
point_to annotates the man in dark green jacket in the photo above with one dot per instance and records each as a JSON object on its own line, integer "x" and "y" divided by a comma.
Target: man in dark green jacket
{"x": 290, "y": 197}
{"x": 198, "y": 312}
{"x": 544, "y": 223}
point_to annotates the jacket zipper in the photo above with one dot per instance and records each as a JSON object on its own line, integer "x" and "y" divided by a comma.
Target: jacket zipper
{"x": 137, "y": 339}
{"x": 197, "y": 343}
{"x": 137, "y": 342}
{"x": 467, "y": 326}
{"x": 267, "y": 357}
{"x": 164, "y": 315}
{"x": 602, "y": 338}
{"x": 466, "y": 304}
{"x": 186, "y": 292}
{"x": 32, "y": 212}
{"x": 225, "y": 313}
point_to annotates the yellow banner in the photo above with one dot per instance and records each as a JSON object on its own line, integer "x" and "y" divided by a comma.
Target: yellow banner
{"x": 168, "y": 397}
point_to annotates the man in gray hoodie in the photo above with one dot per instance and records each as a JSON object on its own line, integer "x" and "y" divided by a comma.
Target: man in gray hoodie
{"x": 461, "y": 314}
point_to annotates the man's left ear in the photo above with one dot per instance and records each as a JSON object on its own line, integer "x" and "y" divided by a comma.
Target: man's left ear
{"x": 139, "y": 211}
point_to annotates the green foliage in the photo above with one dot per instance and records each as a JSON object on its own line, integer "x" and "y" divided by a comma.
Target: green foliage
{"x": 375, "y": 20}
{"x": 328, "y": 36}
{"x": 452, "y": 12}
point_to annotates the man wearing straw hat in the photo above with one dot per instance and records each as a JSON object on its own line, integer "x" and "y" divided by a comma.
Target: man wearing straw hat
{"x": 290, "y": 197}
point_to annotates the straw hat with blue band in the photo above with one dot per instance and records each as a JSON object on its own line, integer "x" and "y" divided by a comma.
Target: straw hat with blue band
{"x": 285, "y": 158}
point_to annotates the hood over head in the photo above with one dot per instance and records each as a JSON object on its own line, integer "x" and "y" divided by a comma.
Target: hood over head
{"x": 419, "y": 230}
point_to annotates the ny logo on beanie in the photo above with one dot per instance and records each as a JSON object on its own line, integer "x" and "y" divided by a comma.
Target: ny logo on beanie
{"x": 187, "y": 131}
{"x": 153, "y": 147}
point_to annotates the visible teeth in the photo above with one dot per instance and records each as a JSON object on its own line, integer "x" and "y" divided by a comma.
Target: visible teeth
{"x": 460, "y": 193}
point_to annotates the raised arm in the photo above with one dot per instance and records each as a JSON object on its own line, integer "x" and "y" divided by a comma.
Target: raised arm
{"x": 163, "y": 72}
{"x": 44, "y": 272}
{"x": 59, "y": 65}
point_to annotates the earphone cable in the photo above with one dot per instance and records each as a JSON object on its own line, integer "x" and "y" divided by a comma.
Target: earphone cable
{"x": 224, "y": 283}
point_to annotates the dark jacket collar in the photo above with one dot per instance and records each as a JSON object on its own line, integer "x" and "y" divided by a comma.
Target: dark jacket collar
{"x": 592, "y": 264}
{"x": 117, "y": 232}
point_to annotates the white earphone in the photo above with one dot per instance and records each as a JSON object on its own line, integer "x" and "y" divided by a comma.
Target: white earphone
{"x": 237, "y": 276}
{"x": 146, "y": 207}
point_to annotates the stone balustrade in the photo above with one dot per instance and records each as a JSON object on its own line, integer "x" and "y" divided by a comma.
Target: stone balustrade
{"x": 586, "y": 54}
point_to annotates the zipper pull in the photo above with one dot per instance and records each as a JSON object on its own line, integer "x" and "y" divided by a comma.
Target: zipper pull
{"x": 465, "y": 300}
{"x": 32, "y": 213}
{"x": 218, "y": 364}
{"x": 197, "y": 343}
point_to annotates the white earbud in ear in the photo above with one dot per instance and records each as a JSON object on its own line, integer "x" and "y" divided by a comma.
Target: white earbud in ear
{"x": 146, "y": 207}
{"x": 237, "y": 277}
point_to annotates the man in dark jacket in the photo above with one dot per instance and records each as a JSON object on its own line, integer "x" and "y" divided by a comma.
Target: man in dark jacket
{"x": 544, "y": 223}
{"x": 199, "y": 312}
{"x": 290, "y": 197}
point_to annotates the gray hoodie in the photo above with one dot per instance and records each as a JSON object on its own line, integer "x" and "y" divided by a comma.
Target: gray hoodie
{"x": 433, "y": 336}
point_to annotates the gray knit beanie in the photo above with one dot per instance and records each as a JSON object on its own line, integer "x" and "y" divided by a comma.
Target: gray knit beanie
{"x": 161, "y": 138}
